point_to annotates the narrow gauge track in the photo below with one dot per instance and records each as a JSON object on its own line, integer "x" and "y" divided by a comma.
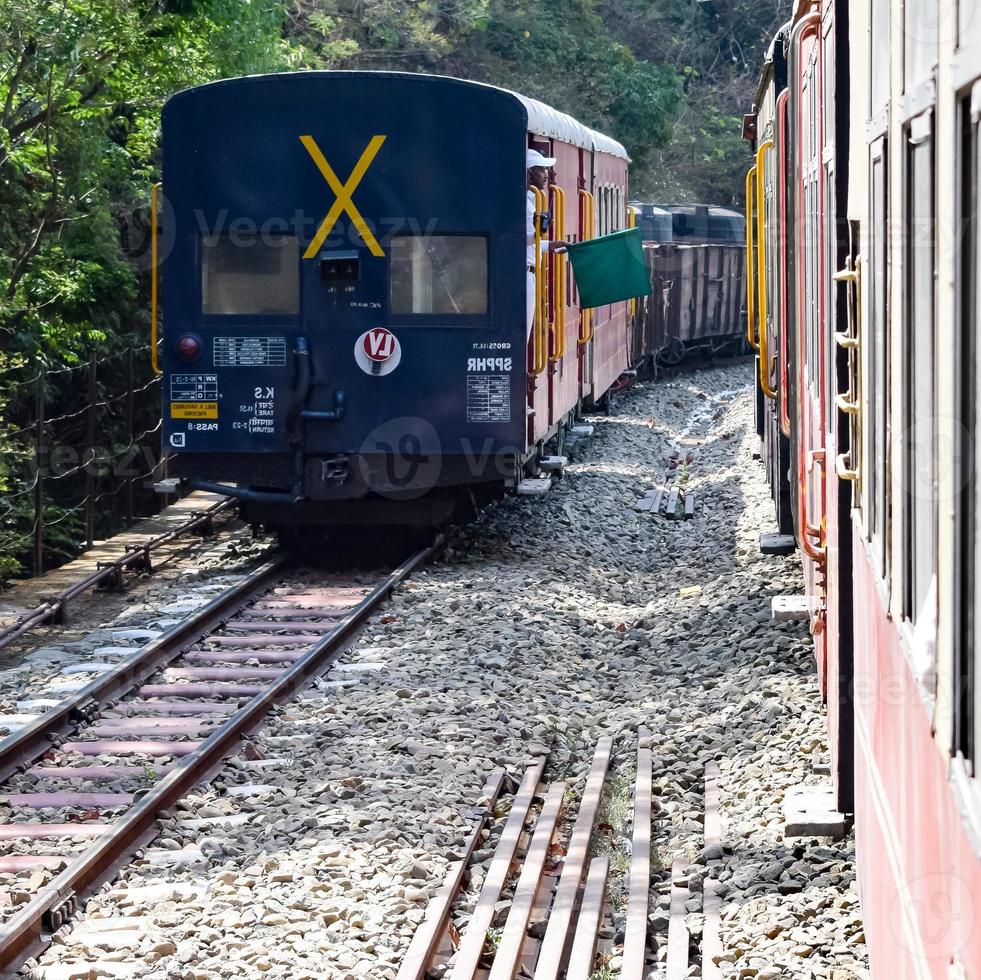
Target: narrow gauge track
{"x": 188, "y": 697}
{"x": 109, "y": 575}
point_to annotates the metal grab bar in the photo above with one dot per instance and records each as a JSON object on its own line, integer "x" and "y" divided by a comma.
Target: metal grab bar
{"x": 558, "y": 275}
{"x": 806, "y": 26}
{"x": 631, "y": 223}
{"x": 154, "y": 289}
{"x": 847, "y": 465}
{"x": 539, "y": 358}
{"x": 784, "y": 352}
{"x": 815, "y": 457}
{"x": 763, "y": 339}
{"x": 588, "y": 224}
{"x": 750, "y": 265}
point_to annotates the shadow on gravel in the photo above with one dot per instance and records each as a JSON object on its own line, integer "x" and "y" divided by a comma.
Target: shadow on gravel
{"x": 783, "y": 870}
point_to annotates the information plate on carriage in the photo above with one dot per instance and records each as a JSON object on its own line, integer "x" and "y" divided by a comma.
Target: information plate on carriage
{"x": 250, "y": 351}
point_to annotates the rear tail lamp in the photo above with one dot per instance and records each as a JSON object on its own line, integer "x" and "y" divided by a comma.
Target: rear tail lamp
{"x": 189, "y": 347}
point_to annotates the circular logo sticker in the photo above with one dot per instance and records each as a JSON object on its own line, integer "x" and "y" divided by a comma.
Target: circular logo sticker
{"x": 378, "y": 351}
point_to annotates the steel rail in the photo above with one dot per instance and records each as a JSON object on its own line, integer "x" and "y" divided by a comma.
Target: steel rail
{"x": 139, "y": 556}
{"x": 26, "y": 746}
{"x": 27, "y": 932}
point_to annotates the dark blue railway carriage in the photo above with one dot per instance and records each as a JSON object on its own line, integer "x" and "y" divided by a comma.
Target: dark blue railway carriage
{"x": 345, "y": 292}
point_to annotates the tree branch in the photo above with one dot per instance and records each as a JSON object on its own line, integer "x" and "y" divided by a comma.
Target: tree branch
{"x": 22, "y": 127}
{"x": 25, "y": 59}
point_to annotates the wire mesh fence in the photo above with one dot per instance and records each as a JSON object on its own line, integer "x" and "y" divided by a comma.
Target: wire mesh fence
{"x": 79, "y": 454}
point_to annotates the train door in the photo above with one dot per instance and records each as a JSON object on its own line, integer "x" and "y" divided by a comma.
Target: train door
{"x": 811, "y": 450}
{"x": 563, "y": 355}
{"x": 840, "y": 404}
{"x": 586, "y": 230}
{"x": 539, "y": 375}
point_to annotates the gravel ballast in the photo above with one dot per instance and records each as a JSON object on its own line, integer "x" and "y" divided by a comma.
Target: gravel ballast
{"x": 549, "y": 622}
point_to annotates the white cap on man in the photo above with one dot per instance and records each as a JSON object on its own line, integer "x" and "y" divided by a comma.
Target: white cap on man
{"x": 535, "y": 159}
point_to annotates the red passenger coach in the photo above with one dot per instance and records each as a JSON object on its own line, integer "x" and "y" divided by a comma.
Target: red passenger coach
{"x": 864, "y": 301}
{"x": 388, "y": 342}
{"x": 607, "y": 356}
{"x": 587, "y": 350}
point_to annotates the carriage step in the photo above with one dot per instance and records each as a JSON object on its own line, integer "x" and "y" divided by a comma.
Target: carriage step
{"x": 533, "y": 487}
{"x": 809, "y": 811}
{"x": 553, "y": 464}
{"x": 777, "y": 544}
{"x": 789, "y": 608}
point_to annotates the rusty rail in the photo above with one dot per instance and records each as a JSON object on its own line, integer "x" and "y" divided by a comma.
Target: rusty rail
{"x": 28, "y": 931}
{"x": 136, "y": 558}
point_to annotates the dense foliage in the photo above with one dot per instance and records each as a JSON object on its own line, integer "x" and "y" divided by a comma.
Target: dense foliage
{"x": 82, "y": 83}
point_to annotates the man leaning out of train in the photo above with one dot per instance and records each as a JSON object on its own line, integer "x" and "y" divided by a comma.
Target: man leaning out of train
{"x": 538, "y": 167}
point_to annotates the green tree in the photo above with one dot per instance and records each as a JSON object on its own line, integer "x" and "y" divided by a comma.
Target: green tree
{"x": 81, "y": 85}
{"x": 716, "y": 48}
{"x": 560, "y": 51}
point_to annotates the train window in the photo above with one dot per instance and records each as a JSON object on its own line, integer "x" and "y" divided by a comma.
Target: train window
{"x": 967, "y": 12}
{"x": 967, "y": 506}
{"x": 829, "y": 220}
{"x": 878, "y": 361}
{"x": 920, "y": 42}
{"x": 879, "y": 56}
{"x": 255, "y": 275}
{"x": 438, "y": 274}
{"x": 919, "y": 436}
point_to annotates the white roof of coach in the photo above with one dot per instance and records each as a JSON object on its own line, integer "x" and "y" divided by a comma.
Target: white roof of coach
{"x": 546, "y": 121}
{"x": 542, "y": 119}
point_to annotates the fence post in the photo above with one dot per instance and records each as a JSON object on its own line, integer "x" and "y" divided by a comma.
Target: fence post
{"x": 130, "y": 383}
{"x": 40, "y": 408}
{"x": 90, "y": 455}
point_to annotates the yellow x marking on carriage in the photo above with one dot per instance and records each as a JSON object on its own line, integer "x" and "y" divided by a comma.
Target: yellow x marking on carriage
{"x": 344, "y": 192}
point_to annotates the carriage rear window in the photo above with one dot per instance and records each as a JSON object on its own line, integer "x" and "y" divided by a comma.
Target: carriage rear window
{"x": 250, "y": 274}
{"x": 438, "y": 274}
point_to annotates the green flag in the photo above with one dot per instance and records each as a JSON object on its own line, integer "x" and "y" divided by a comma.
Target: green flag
{"x": 610, "y": 269}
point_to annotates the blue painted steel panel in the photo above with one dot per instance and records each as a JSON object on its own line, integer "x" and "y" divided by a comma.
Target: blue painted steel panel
{"x": 452, "y": 163}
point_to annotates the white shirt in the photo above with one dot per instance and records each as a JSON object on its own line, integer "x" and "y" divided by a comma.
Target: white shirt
{"x": 530, "y": 208}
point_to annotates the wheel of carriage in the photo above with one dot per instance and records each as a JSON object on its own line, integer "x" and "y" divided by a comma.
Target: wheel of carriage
{"x": 673, "y": 353}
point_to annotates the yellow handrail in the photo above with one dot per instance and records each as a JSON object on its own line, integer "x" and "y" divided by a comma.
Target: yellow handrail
{"x": 848, "y": 465}
{"x": 558, "y": 274}
{"x": 154, "y": 356}
{"x": 750, "y": 273}
{"x": 764, "y": 342}
{"x": 631, "y": 223}
{"x": 540, "y": 347}
{"x": 588, "y": 205}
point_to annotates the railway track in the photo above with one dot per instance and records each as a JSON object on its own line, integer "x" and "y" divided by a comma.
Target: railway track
{"x": 110, "y": 574}
{"x": 544, "y": 906}
{"x": 137, "y": 738}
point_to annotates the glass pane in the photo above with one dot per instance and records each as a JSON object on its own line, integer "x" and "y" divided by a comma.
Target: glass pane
{"x": 441, "y": 274}
{"x": 879, "y": 56}
{"x": 878, "y": 363}
{"x": 975, "y": 315}
{"x": 249, "y": 274}
{"x": 921, "y": 436}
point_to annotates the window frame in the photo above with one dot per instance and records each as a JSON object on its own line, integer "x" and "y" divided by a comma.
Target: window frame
{"x": 480, "y": 320}
{"x": 919, "y": 517}
{"x": 966, "y": 686}
{"x": 253, "y": 316}
{"x": 878, "y": 365}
